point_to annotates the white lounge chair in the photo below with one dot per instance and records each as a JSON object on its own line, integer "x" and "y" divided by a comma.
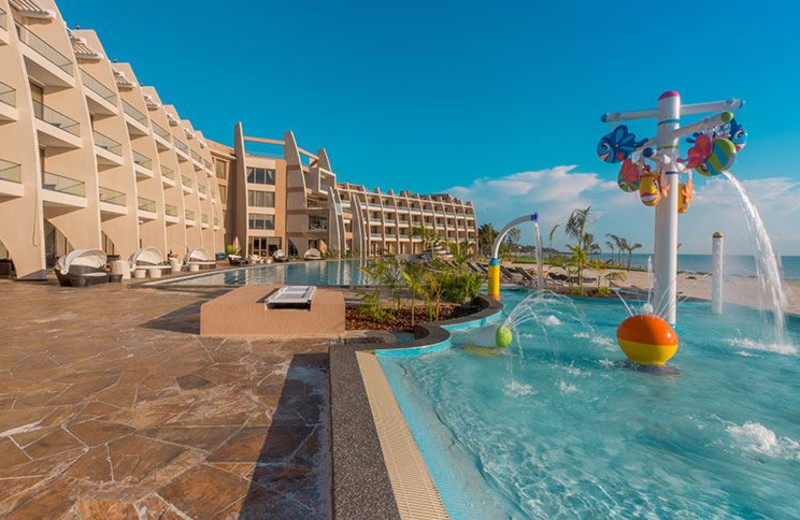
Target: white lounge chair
{"x": 199, "y": 257}
{"x": 81, "y": 268}
{"x": 279, "y": 255}
{"x": 148, "y": 261}
{"x": 312, "y": 254}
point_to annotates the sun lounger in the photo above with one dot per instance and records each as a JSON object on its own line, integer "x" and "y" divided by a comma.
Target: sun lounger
{"x": 148, "y": 261}
{"x": 81, "y": 268}
{"x": 199, "y": 257}
{"x": 237, "y": 260}
{"x": 312, "y": 254}
{"x": 292, "y": 297}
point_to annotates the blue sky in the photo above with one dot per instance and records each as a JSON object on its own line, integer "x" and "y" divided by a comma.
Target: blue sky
{"x": 435, "y": 96}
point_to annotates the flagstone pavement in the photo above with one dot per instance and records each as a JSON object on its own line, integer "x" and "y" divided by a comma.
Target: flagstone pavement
{"x": 111, "y": 406}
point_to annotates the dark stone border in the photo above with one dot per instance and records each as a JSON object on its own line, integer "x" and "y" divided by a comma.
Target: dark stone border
{"x": 360, "y": 480}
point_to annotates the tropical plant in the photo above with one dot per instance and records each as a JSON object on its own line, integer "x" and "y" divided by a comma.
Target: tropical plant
{"x": 580, "y": 258}
{"x": 631, "y": 248}
{"x": 414, "y": 276}
{"x": 230, "y": 249}
{"x": 550, "y": 239}
{"x": 579, "y": 220}
{"x": 429, "y": 237}
{"x": 486, "y": 236}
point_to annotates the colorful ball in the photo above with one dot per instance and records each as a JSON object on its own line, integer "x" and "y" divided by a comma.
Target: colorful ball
{"x": 649, "y": 192}
{"x": 503, "y": 337}
{"x": 723, "y": 153}
{"x": 647, "y": 339}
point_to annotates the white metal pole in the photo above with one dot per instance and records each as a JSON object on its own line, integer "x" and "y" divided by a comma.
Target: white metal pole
{"x": 716, "y": 273}
{"x": 666, "y": 229}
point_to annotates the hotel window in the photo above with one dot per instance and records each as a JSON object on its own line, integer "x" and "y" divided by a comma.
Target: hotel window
{"x": 261, "y": 199}
{"x": 261, "y": 222}
{"x": 223, "y": 194}
{"x": 261, "y": 176}
{"x": 221, "y": 168}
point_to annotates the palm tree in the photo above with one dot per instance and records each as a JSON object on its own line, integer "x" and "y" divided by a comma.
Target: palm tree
{"x": 429, "y": 237}
{"x": 577, "y": 223}
{"x": 486, "y": 236}
{"x": 550, "y": 237}
{"x": 631, "y": 249}
{"x": 591, "y": 247}
{"x": 610, "y": 246}
{"x": 617, "y": 240}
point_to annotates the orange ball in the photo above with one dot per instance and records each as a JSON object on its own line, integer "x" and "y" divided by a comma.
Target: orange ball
{"x": 647, "y": 339}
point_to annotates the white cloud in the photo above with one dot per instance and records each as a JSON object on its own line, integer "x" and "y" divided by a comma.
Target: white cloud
{"x": 555, "y": 192}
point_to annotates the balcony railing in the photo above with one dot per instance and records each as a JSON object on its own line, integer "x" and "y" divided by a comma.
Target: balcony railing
{"x": 186, "y": 181}
{"x": 3, "y": 18}
{"x": 204, "y": 218}
{"x": 146, "y": 204}
{"x": 134, "y": 113}
{"x": 207, "y": 163}
{"x": 112, "y": 196}
{"x": 62, "y": 184}
{"x": 189, "y": 214}
{"x": 196, "y": 156}
{"x": 44, "y": 49}
{"x": 142, "y": 160}
{"x": 167, "y": 172}
{"x": 160, "y": 131}
{"x": 201, "y": 188}
{"x": 11, "y": 172}
{"x": 106, "y": 143}
{"x": 170, "y": 210}
{"x": 56, "y": 118}
{"x": 182, "y": 146}
{"x": 376, "y": 235}
{"x": 98, "y": 88}
{"x": 8, "y": 95}
{"x": 216, "y": 220}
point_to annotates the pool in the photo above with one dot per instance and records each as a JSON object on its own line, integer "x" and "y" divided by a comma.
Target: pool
{"x": 562, "y": 426}
{"x": 330, "y": 272}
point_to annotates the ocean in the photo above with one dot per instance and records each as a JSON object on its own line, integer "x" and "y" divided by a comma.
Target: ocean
{"x": 735, "y": 265}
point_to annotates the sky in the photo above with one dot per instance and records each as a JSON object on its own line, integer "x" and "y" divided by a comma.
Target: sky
{"x": 496, "y": 102}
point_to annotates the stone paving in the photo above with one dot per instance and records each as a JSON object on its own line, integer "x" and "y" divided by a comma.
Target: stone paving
{"x": 111, "y": 406}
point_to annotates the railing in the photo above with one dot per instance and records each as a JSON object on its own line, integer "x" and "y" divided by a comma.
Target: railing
{"x": 11, "y": 172}
{"x": 186, "y": 181}
{"x": 146, "y": 204}
{"x": 106, "y": 143}
{"x": 44, "y": 49}
{"x": 207, "y": 163}
{"x": 62, "y": 184}
{"x": 55, "y": 118}
{"x": 312, "y": 204}
{"x": 317, "y": 227}
{"x": 112, "y": 196}
{"x": 204, "y": 218}
{"x": 216, "y": 220}
{"x": 376, "y": 235}
{"x": 189, "y": 214}
{"x": 160, "y": 131}
{"x": 170, "y": 210}
{"x": 8, "y": 95}
{"x": 142, "y": 160}
{"x": 181, "y": 146}
{"x": 3, "y": 18}
{"x": 98, "y": 88}
{"x": 201, "y": 188}
{"x": 134, "y": 113}
{"x": 167, "y": 172}
{"x": 196, "y": 156}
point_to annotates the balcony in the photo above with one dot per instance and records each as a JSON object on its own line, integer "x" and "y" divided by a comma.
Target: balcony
{"x": 204, "y": 221}
{"x": 108, "y": 151}
{"x": 162, "y": 136}
{"x": 101, "y": 99}
{"x": 376, "y": 236}
{"x": 112, "y": 202}
{"x": 8, "y": 103}
{"x": 182, "y": 149}
{"x": 109, "y": 196}
{"x": 147, "y": 208}
{"x": 171, "y": 213}
{"x": 58, "y": 130}
{"x": 189, "y": 217}
{"x": 167, "y": 176}
{"x": 186, "y": 182}
{"x": 47, "y": 64}
{"x": 10, "y": 179}
{"x": 142, "y": 164}
{"x": 136, "y": 120}
{"x": 62, "y": 190}
{"x": 202, "y": 190}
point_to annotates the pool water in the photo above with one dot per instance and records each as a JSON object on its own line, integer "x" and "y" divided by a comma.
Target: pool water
{"x": 560, "y": 425}
{"x": 331, "y": 272}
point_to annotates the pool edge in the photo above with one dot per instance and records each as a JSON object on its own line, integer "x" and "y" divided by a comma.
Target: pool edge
{"x": 361, "y": 482}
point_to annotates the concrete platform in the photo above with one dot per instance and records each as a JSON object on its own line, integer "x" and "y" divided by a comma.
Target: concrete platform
{"x": 242, "y": 312}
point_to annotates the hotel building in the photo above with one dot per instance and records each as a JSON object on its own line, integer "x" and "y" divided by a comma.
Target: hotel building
{"x": 90, "y": 158}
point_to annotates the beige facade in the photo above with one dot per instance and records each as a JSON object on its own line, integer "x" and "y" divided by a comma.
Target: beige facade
{"x": 90, "y": 158}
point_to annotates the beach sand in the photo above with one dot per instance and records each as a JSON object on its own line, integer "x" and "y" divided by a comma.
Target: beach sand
{"x": 738, "y": 290}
